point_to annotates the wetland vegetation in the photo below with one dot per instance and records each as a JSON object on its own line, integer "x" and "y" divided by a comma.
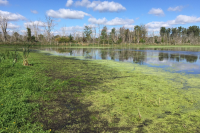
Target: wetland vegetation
{"x": 116, "y": 82}
{"x": 77, "y": 94}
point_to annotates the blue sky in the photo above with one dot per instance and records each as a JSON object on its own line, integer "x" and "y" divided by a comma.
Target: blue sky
{"x": 75, "y": 14}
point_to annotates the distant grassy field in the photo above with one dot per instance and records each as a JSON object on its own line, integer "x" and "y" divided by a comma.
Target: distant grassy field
{"x": 62, "y": 94}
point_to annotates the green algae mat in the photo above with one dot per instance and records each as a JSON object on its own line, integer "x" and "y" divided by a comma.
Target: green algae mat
{"x": 62, "y": 94}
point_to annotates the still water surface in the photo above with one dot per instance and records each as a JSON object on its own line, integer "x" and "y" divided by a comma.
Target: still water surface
{"x": 178, "y": 60}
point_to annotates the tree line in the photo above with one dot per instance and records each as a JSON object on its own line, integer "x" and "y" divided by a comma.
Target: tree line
{"x": 139, "y": 34}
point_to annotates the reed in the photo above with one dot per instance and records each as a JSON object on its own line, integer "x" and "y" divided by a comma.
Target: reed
{"x": 139, "y": 113}
{"x": 159, "y": 101}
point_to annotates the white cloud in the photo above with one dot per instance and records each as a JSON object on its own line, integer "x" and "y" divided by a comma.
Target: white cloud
{"x": 83, "y": 3}
{"x": 181, "y": 19}
{"x": 3, "y": 2}
{"x": 109, "y": 7}
{"x": 55, "y": 33}
{"x": 129, "y": 26}
{"x": 12, "y": 26}
{"x": 34, "y": 11}
{"x": 39, "y": 23}
{"x": 137, "y": 18}
{"x": 158, "y": 24}
{"x": 104, "y": 6}
{"x": 154, "y": 29}
{"x": 11, "y": 16}
{"x": 178, "y": 8}
{"x": 23, "y": 31}
{"x": 115, "y": 21}
{"x": 69, "y": 3}
{"x": 72, "y": 28}
{"x": 97, "y": 21}
{"x": 67, "y": 13}
{"x": 120, "y": 21}
{"x": 90, "y": 25}
{"x": 156, "y": 12}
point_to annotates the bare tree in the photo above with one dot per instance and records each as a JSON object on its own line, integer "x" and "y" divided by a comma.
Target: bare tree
{"x": 82, "y": 36}
{"x": 122, "y": 34}
{"x": 74, "y": 33}
{"x": 117, "y": 34}
{"x": 99, "y": 34}
{"x": 49, "y": 27}
{"x": 129, "y": 37}
{"x": 94, "y": 34}
{"x": 3, "y": 24}
{"x": 77, "y": 36}
{"x": 64, "y": 31}
{"x": 35, "y": 28}
{"x": 153, "y": 37}
{"x": 15, "y": 36}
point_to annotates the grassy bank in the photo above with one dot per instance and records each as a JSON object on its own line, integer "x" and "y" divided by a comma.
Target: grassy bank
{"x": 40, "y": 44}
{"x": 61, "y": 94}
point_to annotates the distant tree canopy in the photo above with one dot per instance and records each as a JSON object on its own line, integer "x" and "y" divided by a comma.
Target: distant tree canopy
{"x": 64, "y": 39}
{"x": 180, "y": 31}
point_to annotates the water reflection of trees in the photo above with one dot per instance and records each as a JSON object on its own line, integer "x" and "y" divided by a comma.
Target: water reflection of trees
{"x": 139, "y": 56}
{"x": 194, "y": 49}
{"x": 123, "y": 54}
{"x": 163, "y": 56}
{"x": 191, "y": 58}
{"x": 174, "y": 57}
{"x": 103, "y": 54}
{"x": 177, "y": 57}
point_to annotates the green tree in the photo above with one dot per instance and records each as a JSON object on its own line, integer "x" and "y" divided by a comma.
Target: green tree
{"x": 87, "y": 32}
{"x": 41, "y": 37}
{"x": 112, "y": 35}
{"x": 168, "y": 31}
{"x": 29, "y": 34}
{"x": 138, "y": 34}
{"x": 193, "y": 29}
{"x": 174, "y": 32}
{"x": 180, "y": 30}
{"x": 16, "y": 35}
{"x": 30, "y": 38}
{"x": 127, "y": 32}
{"x": 104, "y": 34}
{"x": 70, "y": 38}
{"x": 113, "y": 31}
{"x": 162, "y": 31}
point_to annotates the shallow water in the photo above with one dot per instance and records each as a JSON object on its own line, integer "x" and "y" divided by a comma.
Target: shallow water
{"x": 176, "y": 60}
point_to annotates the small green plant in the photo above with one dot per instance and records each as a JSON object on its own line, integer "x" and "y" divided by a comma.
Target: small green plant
{"x": 2, "y": 57}
{"x": 25, "y": 56}
{"x": 15, "y": 56}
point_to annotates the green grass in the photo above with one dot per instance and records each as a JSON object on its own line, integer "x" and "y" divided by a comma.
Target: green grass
{"x": 70, "y": 95}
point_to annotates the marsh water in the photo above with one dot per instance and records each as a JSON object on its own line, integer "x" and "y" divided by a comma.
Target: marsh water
{"x": 178, "y": 60}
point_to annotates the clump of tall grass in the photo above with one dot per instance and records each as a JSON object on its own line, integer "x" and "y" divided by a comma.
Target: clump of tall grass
{"x": 8, "y": 55}
{"x": 26, "y": 52}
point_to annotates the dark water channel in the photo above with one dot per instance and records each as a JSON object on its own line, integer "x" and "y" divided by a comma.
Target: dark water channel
{"x": 178, "y": 60}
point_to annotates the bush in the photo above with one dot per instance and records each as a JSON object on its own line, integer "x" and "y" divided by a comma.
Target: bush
{"x": 63, "y": 40}
{"x": 173, "y": 42}
{"x": 119, "y": 41}
{"x": 142, "y": 40}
